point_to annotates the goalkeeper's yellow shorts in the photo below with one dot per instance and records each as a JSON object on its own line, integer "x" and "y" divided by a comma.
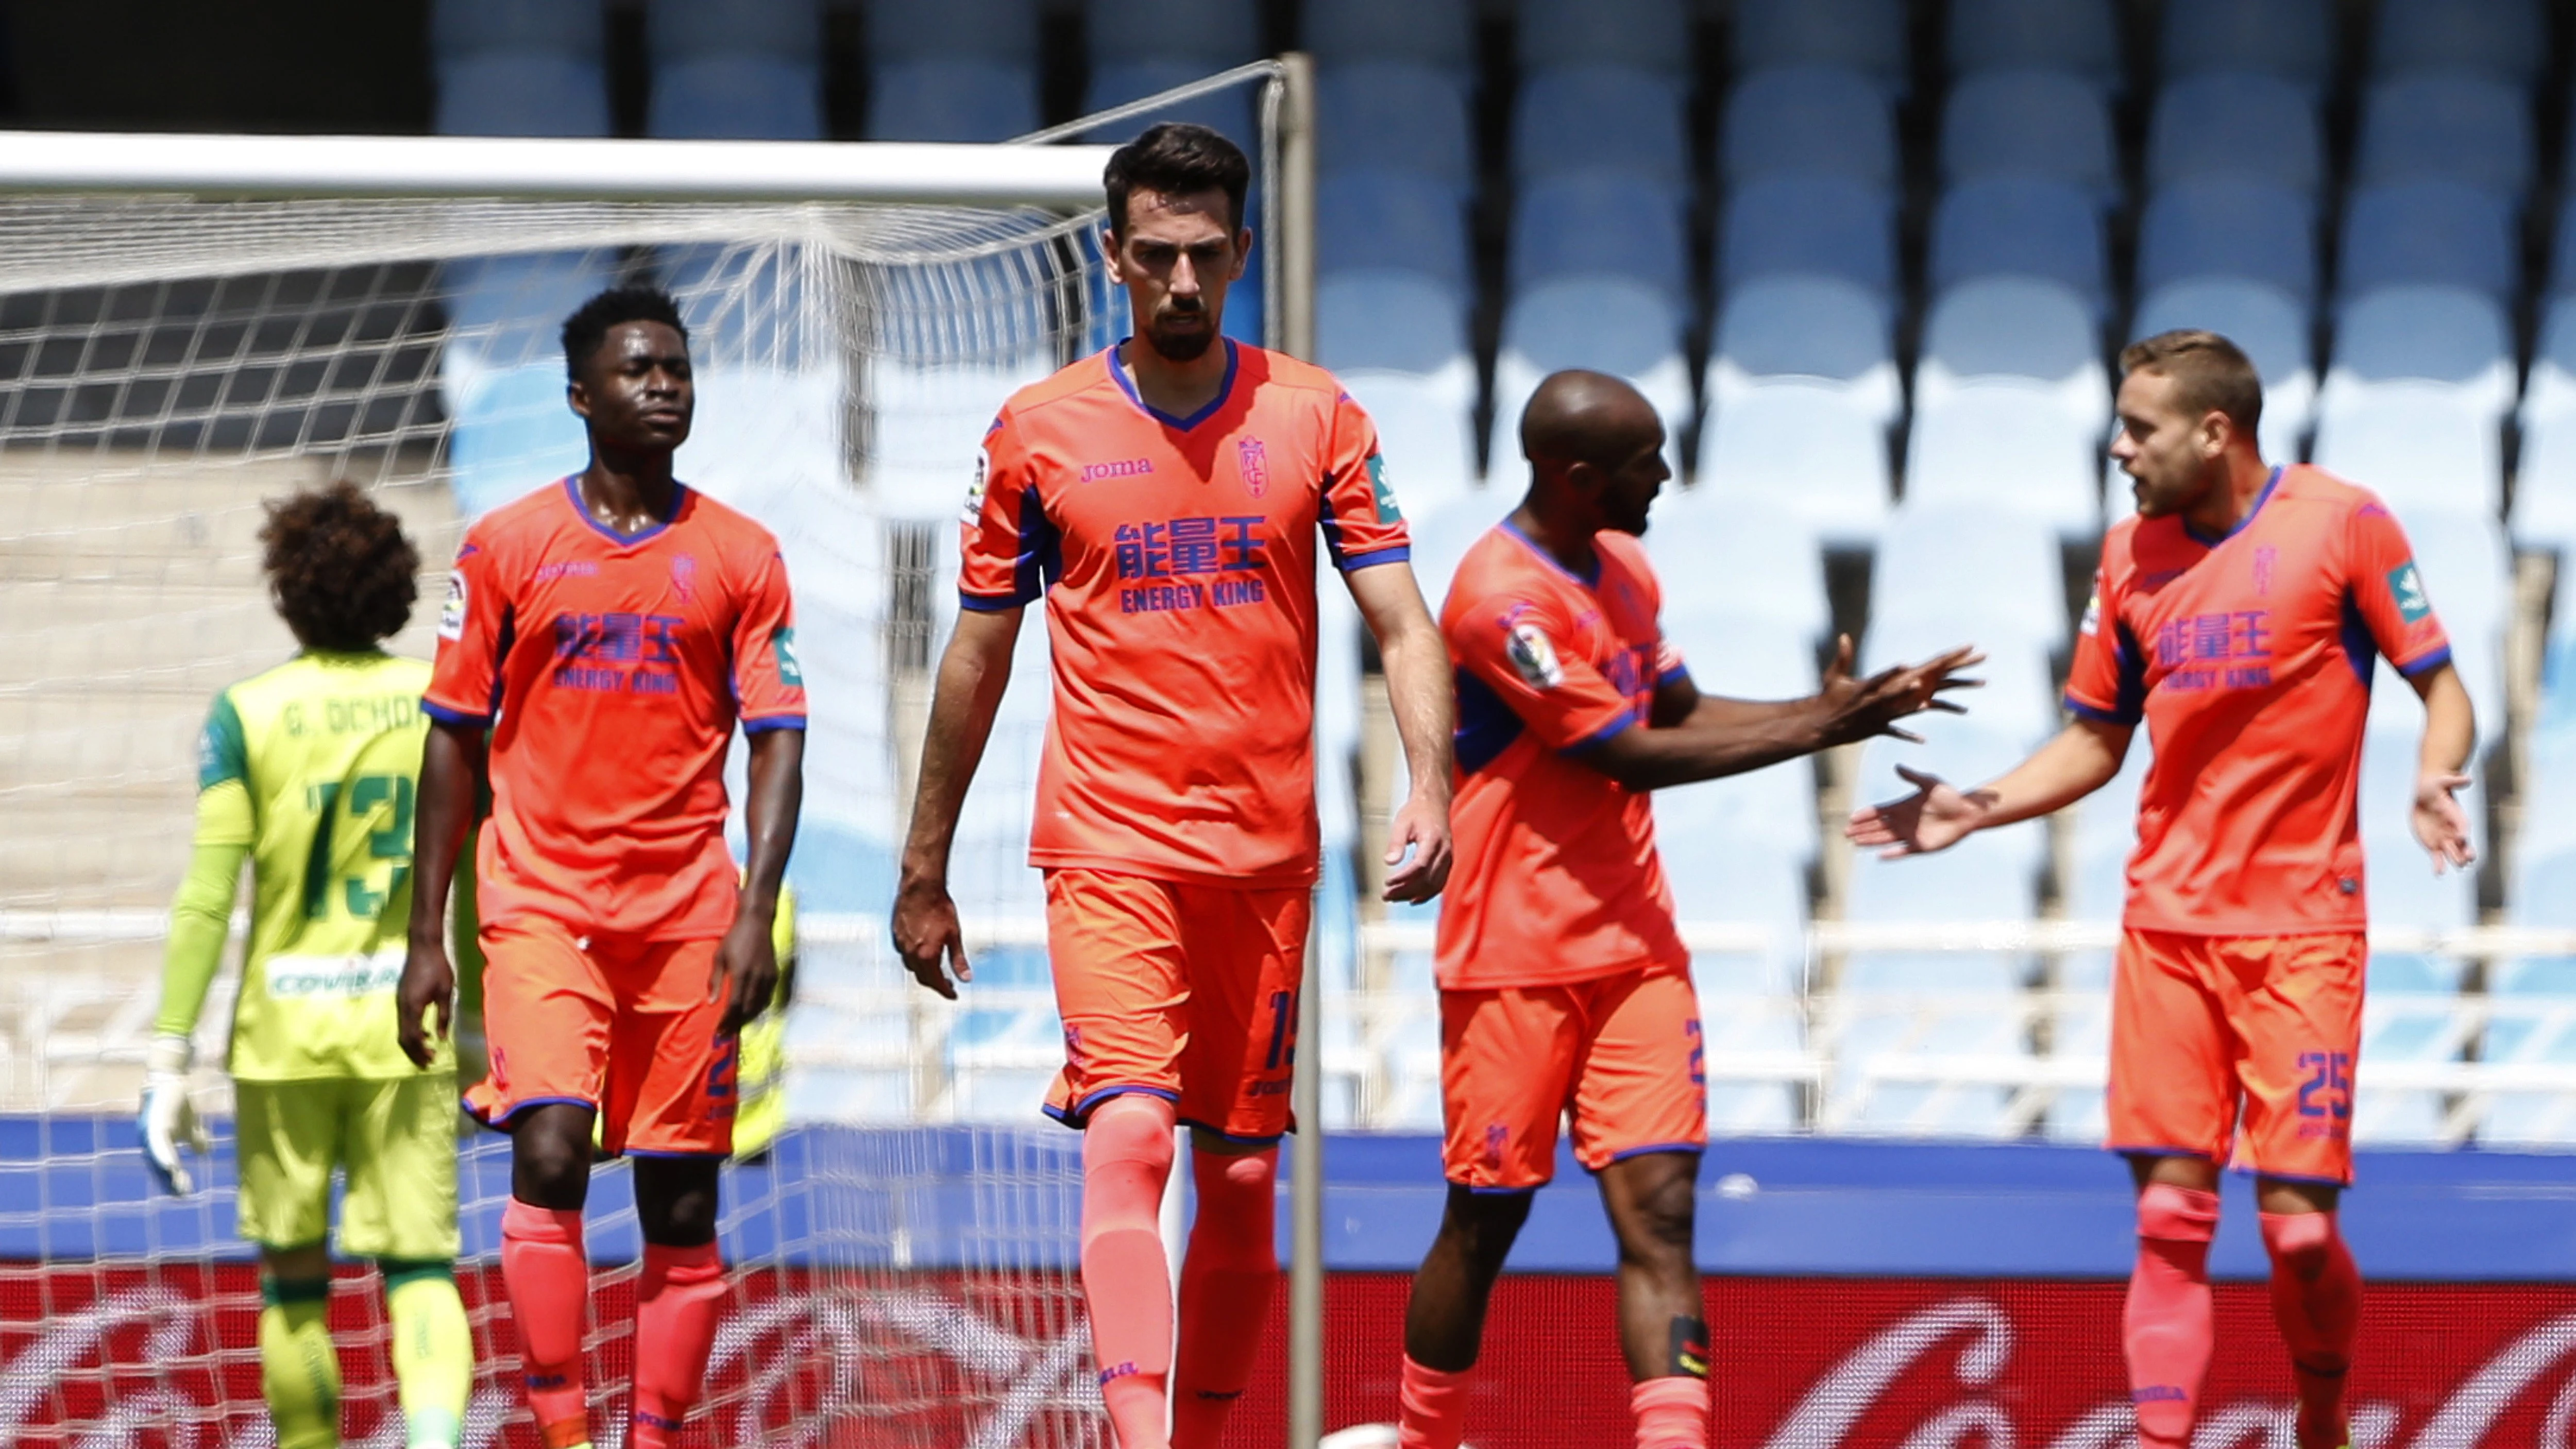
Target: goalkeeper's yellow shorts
{"x": 395, "y": 1137}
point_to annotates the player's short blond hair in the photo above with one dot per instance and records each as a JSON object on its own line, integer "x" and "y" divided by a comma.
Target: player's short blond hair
{"x": 2210, "y": 374}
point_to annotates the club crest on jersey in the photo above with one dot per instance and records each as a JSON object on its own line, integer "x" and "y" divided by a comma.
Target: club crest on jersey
{"x": 2092, "y": 613}
{"x": 2265, "y": 559}
{"x": 451, "y": 615}
{"x": 2408, "y": 586}
{"x": 1252, "y": 464}
{"x": 975, "y": 490}
{"x": 1532, "y": 655}
{"x": 684, "y": 577}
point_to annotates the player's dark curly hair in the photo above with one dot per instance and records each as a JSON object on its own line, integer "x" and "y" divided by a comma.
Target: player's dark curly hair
{"x": 1176, "y": 158}
{"x": 341, "y": 571}
{"x": 588, "y": 326}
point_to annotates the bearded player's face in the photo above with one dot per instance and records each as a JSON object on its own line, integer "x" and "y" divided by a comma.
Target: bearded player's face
{"x": 637, "y": 393}
{"x": 1176, "y": 261}
{"x": 2171, "y": 454}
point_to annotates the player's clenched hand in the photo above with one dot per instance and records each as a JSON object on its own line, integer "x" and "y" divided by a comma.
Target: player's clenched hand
{"x": 428, "y": 984}
{"x": 745, "y": 971}
{"x": 1857, "y": 709}
{"x": 927, "y": 936}
{"x": 1422, "y": 826}
{"x": 1935, "y": 817}
{"x": 2441, "y": 826}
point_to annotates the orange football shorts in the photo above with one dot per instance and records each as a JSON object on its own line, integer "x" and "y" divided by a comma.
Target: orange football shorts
{"x": 1620, "y": 1055}
{"x": 2206, "y": 1027}
{"x": 1185, "y": 991}
{"x": 615, "y": 1024}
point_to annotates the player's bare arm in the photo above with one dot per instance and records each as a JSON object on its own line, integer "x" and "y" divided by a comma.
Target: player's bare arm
{"x": 1418, "y": 691}
{"x": 451, "y": 765}
{"x": 2079, "y": 760}
{"x": 746, "y": 964}
{"x": 2441, "y": 768}
{"x": 973, "y": 672}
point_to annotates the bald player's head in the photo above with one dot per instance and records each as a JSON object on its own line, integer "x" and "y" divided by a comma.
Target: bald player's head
{"x": 1595, "y": 446}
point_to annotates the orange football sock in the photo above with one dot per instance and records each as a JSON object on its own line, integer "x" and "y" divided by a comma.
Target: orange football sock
{"x": 678, "y": 1298}
{"x": 1227, "y": 1279}
{"x": 548, "y": 1276}
{"x": 1126, "y": 1159}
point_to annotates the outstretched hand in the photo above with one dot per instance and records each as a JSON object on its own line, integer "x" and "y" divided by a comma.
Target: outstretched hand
{"x": 1857, "y": 709}
{"x": 2441, "y": 826}
{"x": 1936, "y": 816}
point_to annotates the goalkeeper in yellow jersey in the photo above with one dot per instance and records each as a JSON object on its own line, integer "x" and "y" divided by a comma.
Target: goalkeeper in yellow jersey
{"x": 310, "y": 772}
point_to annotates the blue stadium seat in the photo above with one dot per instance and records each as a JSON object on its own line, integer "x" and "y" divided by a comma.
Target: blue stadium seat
{"x": 1394, "y": 115}
{"x": 2562, "y": 254}
{"x": 952, "y": 99}
{"x": 1371, "y": 220}
{"x": 2020, "y": 226}
{"x": 2439, "y": 335}
{"x": 1443, "y": 532}
{"x": 1115, "y": 83}
{"x": 1809, "y": 225}
{"x": 2255, "y": 127}
{"x": 468, "y": 27}
{"x": 2544, "y": 487}
{"x": 1811, "y": 449}
{"x": 1996, "y": 576}
{"x": 2033, "y": 335}
{"x": 2228, "y": 227}
{"x": 2467, "y": 569}
{"x": 2505, "y": 38}
{"x": 739, "y": 97}
{"x": 2421, "y": 447}
{"x": 1746, "y": 566}
{"x": 522, "y": 93}
{"x": 1600, "y": 224}
{"x": 1212, "y": 34}
{"x": 1721, "y": 877}
{"x": 1809, "y": 120}
{"x": 2292, "y": 39}
{"x": 2448, "y": 127}
{"x": 2273, "y": 331}
{"x": 1439, "y": 33}
{"x": 1426, "y": 431}
{"x": 1815, "y": 331}
{"x": 2081, "y": 36}
{"x": 1001, "y": 31}
{"x": 2049, "y": 124}
{"x": 2442, "y": 233}
{"x": 2106, "y": 833}
{"x": 1868, "y": 36}
{"x": 1607, "y": 323}
{"x": 2551, "y": 390}
{"x": 1648, "y": 34}
{"x": 677, "y": 30}
{"x": 2019, "y": 700}
{"x": 1394, "y": 322}
{"x": 2007, "y": 449}
{"x": 1577, "y": 119}
{"x": 1962, "y": 751}
{"x": 1772, "y": 810}
{"x": 502, "y": 371}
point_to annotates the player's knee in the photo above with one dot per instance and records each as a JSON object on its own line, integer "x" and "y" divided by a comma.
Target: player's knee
{"x": 1657, "y": 1224}
{"x": 2299, "y": 1242}
{"x": 550, "y": 1159}
{"x": 1483, "y": 1225}
{"x": 675, "y": 1200}
{"x": 1133, "y": 1129}
{"x": 2177, "y": 1214}
{"x": 297, "y": 1265}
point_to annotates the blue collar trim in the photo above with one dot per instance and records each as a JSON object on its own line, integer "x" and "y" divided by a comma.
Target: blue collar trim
{"x": 2259, "y": 500}
{"x": 572, "y": 495}
{"x": 1591, "y": 581}
{"x": 1127, "y": 384}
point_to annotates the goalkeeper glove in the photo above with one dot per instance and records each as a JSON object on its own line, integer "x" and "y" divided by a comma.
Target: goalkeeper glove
{"x": 167, "y": 1122}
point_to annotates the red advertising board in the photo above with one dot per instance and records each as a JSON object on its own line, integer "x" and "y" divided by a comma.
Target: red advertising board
{"x": 99, "y": 1358}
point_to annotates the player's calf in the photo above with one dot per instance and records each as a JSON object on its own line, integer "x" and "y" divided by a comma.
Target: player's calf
{"x": 433, "y": 1350}
{"x": 1227, "y": 1279}
{"x": 1126, "y": 1159}
{"x": 2168, "y": 1324}
{"x": 1444, "y": 1320}
{"x": 2316, "y": 1300}
{"x": 1653, "y": 1207}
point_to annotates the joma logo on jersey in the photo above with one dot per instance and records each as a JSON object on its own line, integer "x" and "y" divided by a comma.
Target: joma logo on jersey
{"x": 2408, "y": 588}
{"x": 1124, "y": 468}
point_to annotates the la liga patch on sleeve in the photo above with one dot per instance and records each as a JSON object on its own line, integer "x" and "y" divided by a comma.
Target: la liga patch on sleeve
{"x": 2407, "y": 587}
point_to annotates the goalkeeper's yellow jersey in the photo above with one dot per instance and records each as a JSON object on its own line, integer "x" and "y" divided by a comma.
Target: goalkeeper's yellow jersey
{"x": 324, "y": 751}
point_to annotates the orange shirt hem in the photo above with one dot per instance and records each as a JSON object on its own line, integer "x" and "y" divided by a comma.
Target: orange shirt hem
{"x": 1150, "y": 870}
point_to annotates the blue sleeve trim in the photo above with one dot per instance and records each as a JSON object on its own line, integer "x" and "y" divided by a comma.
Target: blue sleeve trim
{"x": 444, "y": 715}
{"x": 1500, "y": 1191}
{"x": 981, "y": 604}
{"x": 1401, "y": 553}
{"x": 1695, "y": 1149}
{"x": 1603, "y": 735}
{"x": 2082, "y": 710}
{"x": 2425, "y": 665}
{"x": 1079, "y": 1116}
{"x": 773, "y": 722}
{"x": 1678, "y": 674}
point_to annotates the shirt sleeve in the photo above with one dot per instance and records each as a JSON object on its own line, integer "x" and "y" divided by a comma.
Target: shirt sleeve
{"x": 767, "y": 680}
{"x": 1362, "y": 525}
{"x": 201, "y": 912}
{"x": 1514, "y": 647}
{"x": 2108, "y": 679}
{"x": 474, "y": 631}
{"x": 2387, "y": 591}
{"x": 1010, "y": 551}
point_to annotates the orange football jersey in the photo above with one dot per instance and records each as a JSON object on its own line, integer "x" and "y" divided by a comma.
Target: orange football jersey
{"x": 2249, "y": 657}
{"x": 1177, "y": 556}
{"x": 612, "y": 670}
{"x": 1556, "y": 880}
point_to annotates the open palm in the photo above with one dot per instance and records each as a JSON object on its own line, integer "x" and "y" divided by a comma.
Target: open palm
{"x": 1936, "y": 816}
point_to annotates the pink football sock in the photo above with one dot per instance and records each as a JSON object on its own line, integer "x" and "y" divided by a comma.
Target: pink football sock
{"x": 1672, "y": 1413}
{"x": 1431, "y": 1407}
{"x": 1126, "y": 1159}
{"x": 2168, "y": 1321}
{"x": 678, "y": 1298}
{"x": 2316, "y": 1298}
{"x": 1227, "y": 1278}
{"x": 548, "y": 1276}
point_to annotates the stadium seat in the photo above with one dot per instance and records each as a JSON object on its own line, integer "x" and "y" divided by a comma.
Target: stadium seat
{"x": 2551, "y": 391}
{"x": 1394, "y": 115}
{"x": 1577, "y": 119}
{"x": 2421, "y": 446}
{"x": 463, "y": 27}
{"x": 1438, "y": 33}
{"x": 1868, "y": 36}
{"x": 952, "y": 99}
{"x": 1961, "y": 750}
{"x": 1729, "y": 563}
{"x": 1722, "y": 877}
{"x": 2106, "y": 834}
{"x": 522, "y": 93}
{"x": 738, "y": 97}
{"x": 2437, "y": 233}
{"x": 1115, "y": 83}
{"x": 1814, "y": 331}
{"x": 1770, "y": 810}
{"x": 2292, "y": 39}
{"x": 1828, "y": 226}
{"x": 2020, "y": 226}
{"x": 1809, "y": 120}
{"x": 2049, "y": 124}
{"x": 1605, "y": 323}
{"x": 2077, "y": 36}
{"x": 2467, "y": 570}
{"x": 1647, "y": 34}
{"x": 2033, "y": 335}
{"x": 1378, "y": 221}
{"x": 2544, "y": 486}
{"x": 2446, "y": 127}
{"x": 2503, "y": 38}
{"x": 1382, "y": 322}
{"x": 1600, "y": 224}
{"x": 1813, "y": 449}
{"x": 502, "y": 371}
{"x": 2436, "y": 335}
{"x": 1996, "y": 575}
{"x": 1425, "y": 431}
{"x": 926, "y": 421}
{"x": 2007, "y": 448}
{"x": 1444, "y": 531}
{"x": 2018, "y": 701}
{"x": 2230, "y": 227}
{"x": 2253, "y": 127}
{"x": 1212, "y": 34}
{"x": 1001, "y": 31}
{"x": 2270, "y": 327}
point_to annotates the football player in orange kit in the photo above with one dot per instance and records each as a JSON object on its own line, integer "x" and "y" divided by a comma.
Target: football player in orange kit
{"x": 1565, "y": 988}
{"x": 1165, "y": 496}
{"x": 611, "y": 629}
{"x": 2238, "y": 615}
